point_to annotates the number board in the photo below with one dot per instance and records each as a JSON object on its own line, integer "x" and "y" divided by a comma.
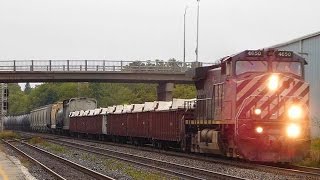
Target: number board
{"x": 285, "y": 54}
{"x": 254, "y": 53}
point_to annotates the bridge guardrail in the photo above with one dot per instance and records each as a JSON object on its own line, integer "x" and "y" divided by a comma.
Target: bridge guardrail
{"x": 98, "y": 65}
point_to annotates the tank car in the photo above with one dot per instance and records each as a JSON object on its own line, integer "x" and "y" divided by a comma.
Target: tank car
{"x": 21, "y": 122}
{"x": 253, "y": 105}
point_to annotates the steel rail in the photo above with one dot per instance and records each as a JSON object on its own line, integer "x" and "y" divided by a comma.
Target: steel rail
{"x": 79, "y": 167}
{"x": 269, "y": 168}
{"x": 56, "y": 175}
{"x": 299, "y": 169}
{"x": 149, "y": 162}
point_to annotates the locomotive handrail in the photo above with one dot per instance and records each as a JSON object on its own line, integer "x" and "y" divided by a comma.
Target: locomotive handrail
{"x": 240, "y": 110}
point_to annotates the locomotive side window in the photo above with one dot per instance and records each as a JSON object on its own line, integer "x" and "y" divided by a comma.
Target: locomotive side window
{"x": 287, "y": 67}
{"x": 251, "y": 67}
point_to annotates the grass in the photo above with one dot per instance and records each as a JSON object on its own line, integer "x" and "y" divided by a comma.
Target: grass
{"x": 131, "y": 171}
{"x": 53, "y": 147}
{"x": 89, "y": 157}
{"x": 36, "y": 140}
{"x": 138, "y": 174}
{"x": 9, "y": 135}
{"x": 313, "y": 159}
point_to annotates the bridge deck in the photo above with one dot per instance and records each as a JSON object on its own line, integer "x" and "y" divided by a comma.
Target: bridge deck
{"x": 95, "y": 70}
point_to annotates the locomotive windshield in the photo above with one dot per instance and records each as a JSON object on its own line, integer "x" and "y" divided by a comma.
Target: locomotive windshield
{"x": 287, "y": 67}
{"x": 251, "y": 66}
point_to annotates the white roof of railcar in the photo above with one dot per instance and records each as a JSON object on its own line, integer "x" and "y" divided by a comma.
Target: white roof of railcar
{"x": 104, "y": 111}
{"x": 150, "y": 106}
{"x": 81, "y": 113}
{"x": 164, "y": 105}
{"x": 76, "y": 113}
{"x": 127, "y": 108}
{"x": 119, "y": 109}
{"x": 111, "y": 109}
{"x": 97, "y": 111}
{"x": 137, "y": 107}
{"x": 91, "y": 112}
{"x": 86, "y": 113}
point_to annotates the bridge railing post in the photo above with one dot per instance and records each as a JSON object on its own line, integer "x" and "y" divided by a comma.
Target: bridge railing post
{"x": 86, "y": 65}
{"x": 104, "y": 65}
{"x": 68, "y": 65}
{"x": 31, "y": 67}
{"x": 14, "y": 65}
{"x": 50, "y": 64}
{"x": 121, "y": 65}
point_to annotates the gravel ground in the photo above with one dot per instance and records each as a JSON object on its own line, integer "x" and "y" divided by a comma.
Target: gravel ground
{"x": 111, "y": 167}
{"x": 62, "y": 169}
{"x": 235, "y": 171}
{"x": 34, "y": 169}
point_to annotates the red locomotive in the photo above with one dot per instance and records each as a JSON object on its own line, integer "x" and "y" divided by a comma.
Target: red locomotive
{"x": 253, "y": 105}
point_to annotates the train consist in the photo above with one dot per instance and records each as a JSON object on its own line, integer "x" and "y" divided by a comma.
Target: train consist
{"x": 253, "y": 105}
{"x": 160, "y": 123}
{"x": 50, "y": 118}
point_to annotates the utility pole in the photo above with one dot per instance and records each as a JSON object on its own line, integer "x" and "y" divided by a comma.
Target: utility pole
{"x": 197, "y": 48}
{"x": 184, "y": 35}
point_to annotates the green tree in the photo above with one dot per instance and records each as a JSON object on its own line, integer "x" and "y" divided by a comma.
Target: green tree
{"x": 27, "y": 88}
{"x": 18, "y": 101}
{"x": 184, "y": 91}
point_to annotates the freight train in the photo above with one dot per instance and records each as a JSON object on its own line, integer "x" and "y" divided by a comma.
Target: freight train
{"x": 252, "y": 105}
{"x": 49, "y": 118}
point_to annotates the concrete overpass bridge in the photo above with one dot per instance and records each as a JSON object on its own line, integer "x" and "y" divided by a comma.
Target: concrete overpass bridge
{"x": 165, "y": 74}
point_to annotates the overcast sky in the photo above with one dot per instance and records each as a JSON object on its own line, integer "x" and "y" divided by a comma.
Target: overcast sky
{"x": 148, "y": 29}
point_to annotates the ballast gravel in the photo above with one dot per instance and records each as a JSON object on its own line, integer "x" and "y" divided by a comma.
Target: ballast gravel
{"x": 111, "y": 167}
{"x": 222, "y": 168}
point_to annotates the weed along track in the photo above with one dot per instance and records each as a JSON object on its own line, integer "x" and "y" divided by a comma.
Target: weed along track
{"x": 112, "y": 166}
{"x": 133, "y": 161}
{"x": 60, "y": 167}
{"x": 175, "y": 169}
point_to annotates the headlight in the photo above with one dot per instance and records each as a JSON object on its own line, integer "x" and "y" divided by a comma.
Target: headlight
{"x": 257, "y": 111}
{"x": 259, "y": 129}
{"x": 273, "y": 83}
{"x": 293, "y": 131}
{"x": 295, "y": 112}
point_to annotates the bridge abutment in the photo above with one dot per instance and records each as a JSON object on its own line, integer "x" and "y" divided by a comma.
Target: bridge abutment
{"x": 164, "y": 91}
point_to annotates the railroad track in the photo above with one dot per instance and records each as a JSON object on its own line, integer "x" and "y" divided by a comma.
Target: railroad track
{"x": 179, "y": 170}
{"x": 56, "y": 166}
{"x": 281, "y": 169}
{"x": 302, "y": 169}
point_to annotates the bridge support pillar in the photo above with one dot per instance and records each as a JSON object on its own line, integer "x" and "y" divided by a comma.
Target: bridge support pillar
{"x": 164, "y": 91}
